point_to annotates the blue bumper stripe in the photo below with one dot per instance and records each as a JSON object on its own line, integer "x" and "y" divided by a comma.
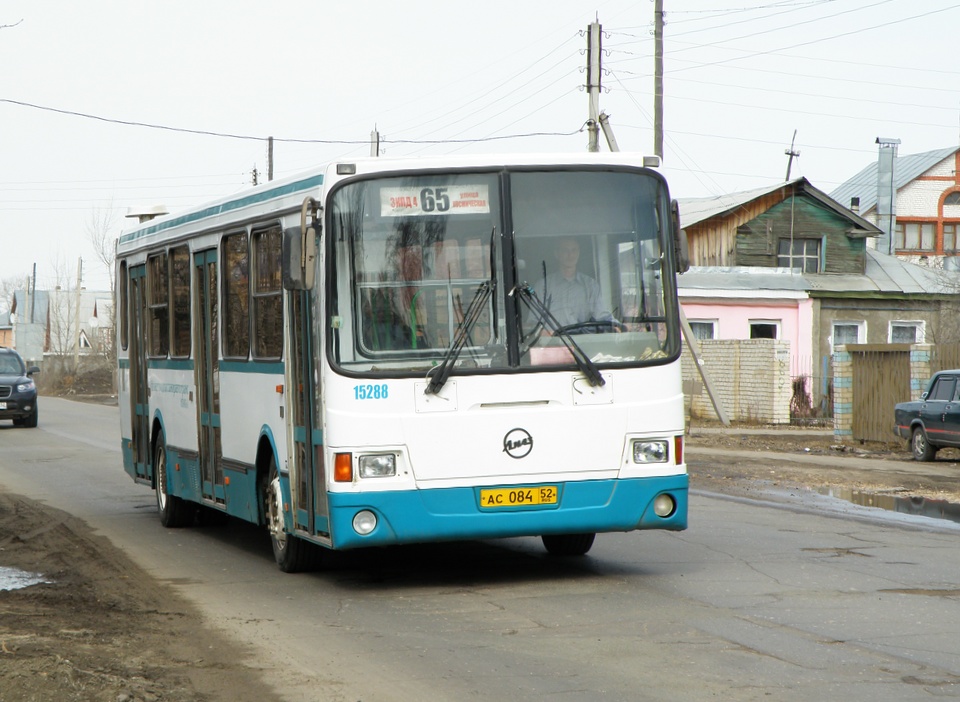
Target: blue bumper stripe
{"x": 454, "y": 513}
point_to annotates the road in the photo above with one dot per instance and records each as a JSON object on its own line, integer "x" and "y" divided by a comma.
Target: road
{"x": 754, "y": 601}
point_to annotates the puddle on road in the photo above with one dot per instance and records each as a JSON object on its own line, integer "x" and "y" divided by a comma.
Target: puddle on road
{"x": 16, "y": 579}
{"x": 918, "y": 506}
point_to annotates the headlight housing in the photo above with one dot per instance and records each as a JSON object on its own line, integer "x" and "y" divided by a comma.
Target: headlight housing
{"x": 651, "y": 451}
{"x": 26, "y": 387}
{"x": 381, "y": 465}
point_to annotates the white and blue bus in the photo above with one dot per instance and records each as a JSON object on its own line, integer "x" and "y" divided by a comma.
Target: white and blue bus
{"x": 395, "y": 351}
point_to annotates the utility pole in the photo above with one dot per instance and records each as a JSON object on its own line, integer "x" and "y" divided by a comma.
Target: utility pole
{"x": 593, "y": 85}
{"x": 269, "y": 158}
{"x": 76, "y": 317}
{"x": 375, "y": 142}
{"x": 792, "y": 154}
{"x": 658, "y": 78}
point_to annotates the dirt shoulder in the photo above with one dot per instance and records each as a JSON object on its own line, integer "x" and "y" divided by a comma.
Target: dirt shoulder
{"x": 101, "y": 629}
{"x": 750, "y": 461}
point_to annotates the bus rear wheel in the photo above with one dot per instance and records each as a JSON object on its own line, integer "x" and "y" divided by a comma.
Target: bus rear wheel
{"x": 292, "y": 554}
{"x": 174, "y": 511}
{"x": 568, "y": 544}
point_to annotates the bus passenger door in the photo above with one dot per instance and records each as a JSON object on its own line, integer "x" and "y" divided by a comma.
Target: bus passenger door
{"x": 139, "y": 398}
{"x": 207, "y": 354}
{"x": 307, "y": 470}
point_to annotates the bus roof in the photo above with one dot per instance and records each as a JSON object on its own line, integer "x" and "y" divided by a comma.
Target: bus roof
{"x": 289, "y": 192}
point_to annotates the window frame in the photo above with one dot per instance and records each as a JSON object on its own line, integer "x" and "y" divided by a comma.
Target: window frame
{"x": 861, "y": 326}
{"x": 712, "y": 323}
{"x": 803, "y": 257}
{"x": 775, "y": 323}
{"x": 918, "y": 325}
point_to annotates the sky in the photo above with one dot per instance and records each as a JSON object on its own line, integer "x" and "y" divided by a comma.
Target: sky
{"x": 115, "y": 104}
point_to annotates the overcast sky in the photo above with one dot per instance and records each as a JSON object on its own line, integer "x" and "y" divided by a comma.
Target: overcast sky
{"x": 740, "y": 77}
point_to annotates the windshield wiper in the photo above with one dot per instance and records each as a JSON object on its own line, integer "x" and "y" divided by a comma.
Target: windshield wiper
{"x": 440, "y": 374}
{"x": 586, "y": 366}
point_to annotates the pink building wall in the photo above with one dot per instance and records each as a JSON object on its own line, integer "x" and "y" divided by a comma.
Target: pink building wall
{"x": 733, "y": 318}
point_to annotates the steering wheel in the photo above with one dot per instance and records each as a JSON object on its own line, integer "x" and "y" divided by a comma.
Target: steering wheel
{"x": 593, "y": 327}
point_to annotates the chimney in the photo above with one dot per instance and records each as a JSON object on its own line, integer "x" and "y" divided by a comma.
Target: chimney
{"x": 886, "y": 193}
{"x": 855, "y": 204}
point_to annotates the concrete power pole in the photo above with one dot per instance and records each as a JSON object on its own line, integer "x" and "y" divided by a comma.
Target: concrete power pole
{"x": 593, "y": 85}
{"x": 76, "y": 319}
{"x": 792, "y": 153}
{"x": 269, "y": 158}
{"x": 658, "y": 78}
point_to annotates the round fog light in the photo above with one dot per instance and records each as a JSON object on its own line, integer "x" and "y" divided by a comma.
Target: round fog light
{"x": 664, "y": 506}
{"x": 364, "y": 522}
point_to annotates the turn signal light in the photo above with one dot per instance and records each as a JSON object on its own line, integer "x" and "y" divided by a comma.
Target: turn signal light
{"x": 343, "y": 468}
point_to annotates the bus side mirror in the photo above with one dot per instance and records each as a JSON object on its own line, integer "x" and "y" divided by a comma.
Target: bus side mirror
{"x": 299, "y": 263}
{"x": 680, "y": 244}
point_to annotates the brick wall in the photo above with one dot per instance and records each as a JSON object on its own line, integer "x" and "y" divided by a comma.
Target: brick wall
{"x": 920, "y": 198}
{"x": 751, "y": 378}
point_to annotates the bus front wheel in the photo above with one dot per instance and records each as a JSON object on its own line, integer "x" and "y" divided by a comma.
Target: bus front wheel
{"x": 568, "y": 544}
{"x": 174, "y": 511}
{"x": 291, "y": 553}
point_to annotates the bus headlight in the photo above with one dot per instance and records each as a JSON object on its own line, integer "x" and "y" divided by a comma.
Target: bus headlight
{"x": 364, "y": 522}
{"x": 646, "y": 451}
{"x": 382, "y": 465}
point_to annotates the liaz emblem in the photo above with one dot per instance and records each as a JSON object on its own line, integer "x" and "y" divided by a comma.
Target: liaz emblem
{"x": 517, "y": 443}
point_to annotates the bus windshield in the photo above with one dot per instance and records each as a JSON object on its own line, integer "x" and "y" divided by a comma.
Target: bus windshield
{"x": 432, "y": 270}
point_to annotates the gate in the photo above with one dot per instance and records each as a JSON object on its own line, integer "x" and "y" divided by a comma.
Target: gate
{"x": 944, "y": 357}
{"x": 881, "y": 378}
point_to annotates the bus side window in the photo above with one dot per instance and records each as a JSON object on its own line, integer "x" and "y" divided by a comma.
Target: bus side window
{"x": 158, "y": 303}
{"x": 180, "y": 301}
{"x": 122, "y": 315}
{"x": 267, "y": 297}
{"x": 236, "y": 291}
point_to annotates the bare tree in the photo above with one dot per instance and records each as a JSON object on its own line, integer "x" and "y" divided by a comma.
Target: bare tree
{"x": 8, "y": 286}
{"x": 61, "y": 324}
{"x": 100, "y": 227}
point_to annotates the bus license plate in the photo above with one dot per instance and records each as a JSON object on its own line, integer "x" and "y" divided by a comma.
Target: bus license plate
{"x": 494, "y": 498}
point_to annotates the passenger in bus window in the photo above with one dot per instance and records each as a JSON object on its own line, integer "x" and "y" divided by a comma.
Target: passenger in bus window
{"x": 571, "y": 296}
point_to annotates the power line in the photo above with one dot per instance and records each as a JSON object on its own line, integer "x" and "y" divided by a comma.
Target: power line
{"x": 247, "y": 137}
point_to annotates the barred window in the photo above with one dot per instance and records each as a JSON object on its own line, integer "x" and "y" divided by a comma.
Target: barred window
{"x": 180, "y": 291}
{"x": 267, "y": 295}
{"x": 158, "y": 314}
{"x": 236, "y": 294}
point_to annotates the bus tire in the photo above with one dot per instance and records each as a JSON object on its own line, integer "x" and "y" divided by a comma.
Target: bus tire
{"x": 292, "y": 554}
{"x": 174, "y": 511}
{"x": 568, "y": 544}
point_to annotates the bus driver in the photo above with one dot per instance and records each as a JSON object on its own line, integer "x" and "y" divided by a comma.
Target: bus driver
{"x": 571, "y": 296}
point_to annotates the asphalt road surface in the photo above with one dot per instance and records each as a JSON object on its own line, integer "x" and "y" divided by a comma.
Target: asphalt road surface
{"x": 795, "y": 600}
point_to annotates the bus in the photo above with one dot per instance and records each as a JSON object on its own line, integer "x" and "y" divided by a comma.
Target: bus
{"x": 385, "y": 352}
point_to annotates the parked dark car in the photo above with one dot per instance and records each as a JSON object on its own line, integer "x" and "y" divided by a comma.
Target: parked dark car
{"x": 18, "y": 392}
{"x": 933, "y": 421}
